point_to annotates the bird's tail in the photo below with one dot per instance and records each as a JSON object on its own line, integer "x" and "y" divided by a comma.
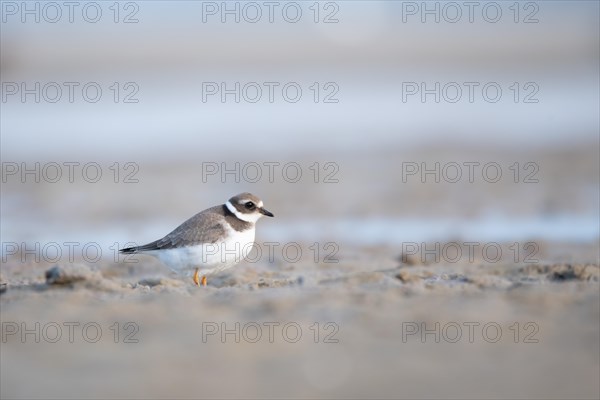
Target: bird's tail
{"x": 129, "y": 250}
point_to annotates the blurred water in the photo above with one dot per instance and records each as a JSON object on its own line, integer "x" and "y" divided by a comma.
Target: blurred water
{"x": 390, "y": 231}
{"x": 173, "y": 121}
{"x": 349, "y": 231}
{"x": 368, "y": 54}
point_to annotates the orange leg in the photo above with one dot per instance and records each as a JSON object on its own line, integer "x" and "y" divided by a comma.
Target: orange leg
{"x": 197, "y": 279}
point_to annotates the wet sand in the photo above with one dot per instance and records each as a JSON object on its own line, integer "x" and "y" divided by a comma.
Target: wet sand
{"x": 376, "y": 323}
{"x": 369, "y": 325}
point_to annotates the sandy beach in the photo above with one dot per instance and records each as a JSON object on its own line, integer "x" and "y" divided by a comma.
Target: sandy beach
{"x": 379, "y": 310}
{"x": 351, "y": 329}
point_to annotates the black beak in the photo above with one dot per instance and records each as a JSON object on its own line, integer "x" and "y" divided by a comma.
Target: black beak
{"x": 265, "y": 212}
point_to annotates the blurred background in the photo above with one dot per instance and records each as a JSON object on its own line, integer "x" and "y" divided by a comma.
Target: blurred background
{"x": 145, "y": 92}
{"x": 168, "y": 122}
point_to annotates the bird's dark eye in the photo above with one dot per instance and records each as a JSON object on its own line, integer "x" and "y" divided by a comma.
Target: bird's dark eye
{"x": 249, "y": 205}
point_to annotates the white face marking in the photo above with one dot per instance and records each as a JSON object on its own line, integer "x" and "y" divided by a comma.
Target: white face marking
{"x": 255, "y": 216}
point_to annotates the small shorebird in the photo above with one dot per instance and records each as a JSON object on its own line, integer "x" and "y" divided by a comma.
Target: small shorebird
{"x": 211, "y": 241}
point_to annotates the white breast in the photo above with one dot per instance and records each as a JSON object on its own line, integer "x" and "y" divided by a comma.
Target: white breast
{"x": 211, "y": 257}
